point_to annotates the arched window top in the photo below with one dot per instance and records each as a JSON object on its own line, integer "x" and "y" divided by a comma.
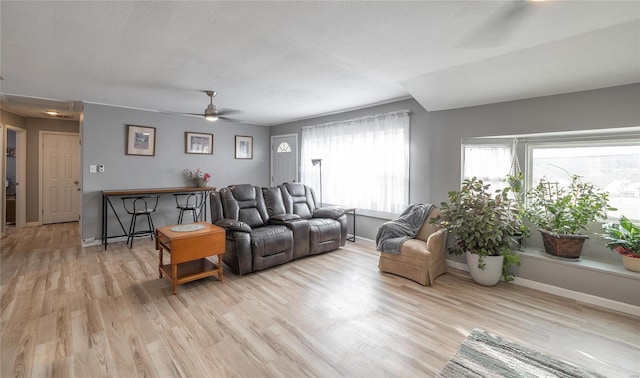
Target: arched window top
{"x": 283, "y": 147}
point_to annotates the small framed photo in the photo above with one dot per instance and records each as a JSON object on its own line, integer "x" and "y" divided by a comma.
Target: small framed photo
{"x": 141, "y": 140}
{"x": 198, "y": 143}
{"x": 244, "y": 147}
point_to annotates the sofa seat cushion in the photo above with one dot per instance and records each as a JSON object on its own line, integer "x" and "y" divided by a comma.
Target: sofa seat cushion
{"x": 324, "y": 235}
{"x": 269, "y": 240}
{"x": 414, "y": 252}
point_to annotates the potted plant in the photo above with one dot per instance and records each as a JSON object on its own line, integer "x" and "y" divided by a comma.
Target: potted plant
{"x": 482, "y": 224}
{"x": 199, "y": 177}
{"x": 624, "y": 238}
{"x": 562, "y": 213}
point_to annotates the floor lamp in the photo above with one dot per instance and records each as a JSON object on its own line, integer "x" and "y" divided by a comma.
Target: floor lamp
{"x": 318, "y": 162}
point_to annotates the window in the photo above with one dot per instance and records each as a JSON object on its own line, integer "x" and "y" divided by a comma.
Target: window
{"x": 613, "y": 165}
{"x": 365, "y": 162}
{"x": 610, "y": 159}
{"x": 283, "y": 147}
{"x": 490, "y": 163}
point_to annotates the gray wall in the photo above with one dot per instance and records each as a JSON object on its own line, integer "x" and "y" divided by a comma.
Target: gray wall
{"x": 8, "y": 118}
{"x": 435, "y": 140}
{"x": 34, "y": 126}
{"x": 104, "y": 142}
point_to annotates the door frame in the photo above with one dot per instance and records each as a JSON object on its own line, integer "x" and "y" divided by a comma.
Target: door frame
{"x": 295, "y": 135}
{"x": 41, "y": 162}
{"x": 21, "y": 174}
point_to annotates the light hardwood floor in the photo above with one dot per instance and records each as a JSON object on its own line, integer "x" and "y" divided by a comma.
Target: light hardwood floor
{"x": 69, "y": 311}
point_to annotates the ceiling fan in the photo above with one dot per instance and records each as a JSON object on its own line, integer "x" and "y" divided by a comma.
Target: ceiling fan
{"x": 211, "y": 112}
{"x": 500, "y": 25}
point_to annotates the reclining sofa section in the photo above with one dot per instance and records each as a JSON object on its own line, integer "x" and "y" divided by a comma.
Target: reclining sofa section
{"x": 271, "y": 226}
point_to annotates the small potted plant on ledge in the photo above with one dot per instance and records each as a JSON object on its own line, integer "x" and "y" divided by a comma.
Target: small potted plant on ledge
{"x": 482, "y": 224}
{"x": 624, "y": 238}
{"x": 561, "y": 213}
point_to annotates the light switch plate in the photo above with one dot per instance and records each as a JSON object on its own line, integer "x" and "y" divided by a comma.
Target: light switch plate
{"x": 93, "y": 168}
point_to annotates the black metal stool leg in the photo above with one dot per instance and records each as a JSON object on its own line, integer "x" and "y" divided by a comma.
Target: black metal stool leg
{"x": 132, "y": 231}
{"x": 150, "y": 221}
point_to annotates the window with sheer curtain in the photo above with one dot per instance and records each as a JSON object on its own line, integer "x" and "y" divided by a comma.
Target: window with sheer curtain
{"x": 490, "y": 163}
{"x": 365, "y": 162}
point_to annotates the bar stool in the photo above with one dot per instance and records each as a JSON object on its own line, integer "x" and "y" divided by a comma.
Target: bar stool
{"x": 188, "y": 202}
{"x": 138, "y": 206}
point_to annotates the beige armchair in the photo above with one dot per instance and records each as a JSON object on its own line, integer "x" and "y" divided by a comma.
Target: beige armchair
{"x": 421, "y": 259}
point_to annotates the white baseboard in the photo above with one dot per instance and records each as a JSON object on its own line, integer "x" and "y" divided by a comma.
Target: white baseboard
{"x": 565, "y": 293}
{"x": 582, "y": 297}
{"x": 457, "y": 265}
{"x": 91, "y": 242}
{"x": 365, "y": 240}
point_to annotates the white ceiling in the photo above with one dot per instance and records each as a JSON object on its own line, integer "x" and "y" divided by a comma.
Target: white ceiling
{"x": 277, "y": 62}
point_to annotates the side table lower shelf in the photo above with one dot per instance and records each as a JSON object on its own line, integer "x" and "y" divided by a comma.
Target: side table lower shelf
{"x": 191, "y": 271}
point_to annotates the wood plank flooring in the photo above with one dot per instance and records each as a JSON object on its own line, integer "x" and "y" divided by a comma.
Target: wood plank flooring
{"x": 68, "y": 311}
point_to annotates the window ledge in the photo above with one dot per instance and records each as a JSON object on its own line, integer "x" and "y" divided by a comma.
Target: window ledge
{"x": 584, "y": 262}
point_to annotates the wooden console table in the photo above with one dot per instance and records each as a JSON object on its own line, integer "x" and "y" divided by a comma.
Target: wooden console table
{"x": 189, "y": 251}
{"x": 106, "y": 203}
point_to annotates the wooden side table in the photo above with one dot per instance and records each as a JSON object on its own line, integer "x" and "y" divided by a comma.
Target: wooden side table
{"x": 189, "y": 251}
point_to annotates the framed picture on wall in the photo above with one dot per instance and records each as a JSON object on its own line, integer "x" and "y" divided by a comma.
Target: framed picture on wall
{"x": 244, "y": 147}
{"x": 198, "y": 143}
{"x": 141, "y": 140}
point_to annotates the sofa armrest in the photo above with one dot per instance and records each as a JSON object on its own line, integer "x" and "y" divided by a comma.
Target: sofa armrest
{"x": 331, "y": 212}
{"x": 436, "y": 242}
{"x": 233, "y": 225}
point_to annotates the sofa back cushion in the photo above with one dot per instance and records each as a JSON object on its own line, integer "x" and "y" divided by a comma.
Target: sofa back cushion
{"x": 298, "y": 199}
{"x": 274, "y": 201}
{"x": 427, "y": 228}
{"x": 244, "y": 203}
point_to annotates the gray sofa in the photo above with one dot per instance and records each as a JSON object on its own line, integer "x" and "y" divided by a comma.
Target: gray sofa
{"x": 271, "y": 226}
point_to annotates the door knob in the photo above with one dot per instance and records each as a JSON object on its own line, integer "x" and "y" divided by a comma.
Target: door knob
{"x": 75, "y": 182}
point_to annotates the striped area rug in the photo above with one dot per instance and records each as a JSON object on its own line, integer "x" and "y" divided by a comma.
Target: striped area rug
{"x": 486, "y": 355}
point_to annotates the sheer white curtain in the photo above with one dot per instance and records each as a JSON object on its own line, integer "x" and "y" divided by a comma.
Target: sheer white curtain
{"x": 489, "y": 163}
{"x": 365, "y": 161}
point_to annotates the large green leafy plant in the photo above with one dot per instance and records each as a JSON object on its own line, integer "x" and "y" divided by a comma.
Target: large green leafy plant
{"x": 623, "y": 237}
{"x": 566, "y": 210}
{"x": 482, "y": 222}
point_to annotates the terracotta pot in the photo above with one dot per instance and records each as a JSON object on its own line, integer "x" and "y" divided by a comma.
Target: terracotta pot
{"x": 631, "y": 263}
{"x": 566, "y": 246}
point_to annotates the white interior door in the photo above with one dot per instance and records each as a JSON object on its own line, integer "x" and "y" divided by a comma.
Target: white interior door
{"x": 60, "y": 177}
{"x": 284, "y": 159}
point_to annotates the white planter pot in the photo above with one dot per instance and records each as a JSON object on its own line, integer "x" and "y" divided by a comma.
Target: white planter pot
{"x": 490, "y": 275}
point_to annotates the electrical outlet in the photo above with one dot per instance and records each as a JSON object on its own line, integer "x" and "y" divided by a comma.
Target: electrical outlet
{"x": 101, "y": 168}
{"x": 93, "y": 168}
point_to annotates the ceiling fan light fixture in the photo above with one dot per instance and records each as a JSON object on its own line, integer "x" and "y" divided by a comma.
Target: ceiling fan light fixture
{"x": 211, "y": 113}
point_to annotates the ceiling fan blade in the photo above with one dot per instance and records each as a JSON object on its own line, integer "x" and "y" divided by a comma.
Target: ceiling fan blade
{"x": 497, "y": 28}
{"x": 228, "y": 111}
